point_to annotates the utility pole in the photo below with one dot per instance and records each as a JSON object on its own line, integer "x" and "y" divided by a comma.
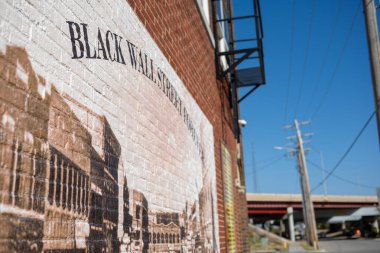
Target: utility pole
{"x": 307, "y": 204}
{"x": 308, "y": 209}
{"x": 374, "y": 53}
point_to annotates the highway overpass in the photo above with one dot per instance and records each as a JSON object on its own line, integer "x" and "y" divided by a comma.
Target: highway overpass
{"x": 263, "y": 207}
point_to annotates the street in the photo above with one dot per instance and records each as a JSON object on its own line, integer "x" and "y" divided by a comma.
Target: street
{"x": 359, "y": 245}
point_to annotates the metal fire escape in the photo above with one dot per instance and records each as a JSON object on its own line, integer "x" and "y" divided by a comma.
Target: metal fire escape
{"x": 239, "y": 61}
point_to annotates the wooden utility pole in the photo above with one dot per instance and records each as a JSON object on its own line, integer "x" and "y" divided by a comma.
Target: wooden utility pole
{"x": 374, "y": 53}
{"x": 308, "y": 209}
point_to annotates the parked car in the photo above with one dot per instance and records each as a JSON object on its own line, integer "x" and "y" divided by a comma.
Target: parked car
{"x": 299, "y": 231}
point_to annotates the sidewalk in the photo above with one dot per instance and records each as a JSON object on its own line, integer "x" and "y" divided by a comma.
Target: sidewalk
{"x": 293, "y": 247}
{"x": 296, "y": 247}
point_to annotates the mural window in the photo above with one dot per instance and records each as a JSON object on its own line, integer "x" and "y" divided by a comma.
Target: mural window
{"x": 70, "y": 188}
{"x": 137, "y": 235}
{"x": 145, "y": 235}
{"x": 96, "y": 214}
{"x": 25, "y": 190}
{"x": 67, "y": 184}
{"x": 58, "y": 182}
{"x": 64, "y": 184}
{"x": 138, "y": 212}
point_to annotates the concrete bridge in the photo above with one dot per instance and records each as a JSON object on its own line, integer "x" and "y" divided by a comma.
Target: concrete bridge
{"x": 263, "y": 207}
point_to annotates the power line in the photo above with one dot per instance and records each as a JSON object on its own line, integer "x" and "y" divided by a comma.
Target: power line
{"x": 322, "y": 67}
{"x": 267, "y": 165}
{"x": 306, "y": 55}
{"x": 341, "y": 178}
{"x": 271, "y": 163}
{"x": 290, "y": 59}
{"x": 268, "y": 159}
{"x": 340, "y": 58}
{"x": 345, "y": 153}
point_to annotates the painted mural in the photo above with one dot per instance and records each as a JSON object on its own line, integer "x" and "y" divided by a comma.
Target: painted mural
{"x": 100, "y": 155}
{"x": 229, "y": 198}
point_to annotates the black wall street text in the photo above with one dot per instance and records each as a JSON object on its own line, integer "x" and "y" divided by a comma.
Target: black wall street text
{"x": 109, "y": 46}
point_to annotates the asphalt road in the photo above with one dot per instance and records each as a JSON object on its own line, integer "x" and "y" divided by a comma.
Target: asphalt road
{"x": 358, "y": 245}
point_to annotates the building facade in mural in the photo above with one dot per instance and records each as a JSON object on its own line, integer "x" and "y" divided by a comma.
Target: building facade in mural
{"x": 107, "y": 143}
{"x": 65, "y": 185}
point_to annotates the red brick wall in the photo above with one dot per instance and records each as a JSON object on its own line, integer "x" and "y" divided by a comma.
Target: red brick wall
{"x": 92, "y": 146}
{"x": 178, "y": 29}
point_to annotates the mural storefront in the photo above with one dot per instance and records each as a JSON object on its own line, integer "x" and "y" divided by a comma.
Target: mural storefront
{"x": 102, "y": 148}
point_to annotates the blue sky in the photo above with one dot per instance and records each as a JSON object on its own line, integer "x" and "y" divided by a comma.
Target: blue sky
{"x": 321, "y": 74}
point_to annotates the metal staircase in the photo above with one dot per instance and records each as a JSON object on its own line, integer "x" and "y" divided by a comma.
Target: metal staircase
{"x": 239, "y": 61}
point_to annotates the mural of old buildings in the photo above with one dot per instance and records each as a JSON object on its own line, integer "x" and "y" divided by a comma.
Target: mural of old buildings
{"x": 62, "y": 186}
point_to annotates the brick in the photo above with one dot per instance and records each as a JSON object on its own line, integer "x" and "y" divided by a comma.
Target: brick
{"x": 142, "y": 134}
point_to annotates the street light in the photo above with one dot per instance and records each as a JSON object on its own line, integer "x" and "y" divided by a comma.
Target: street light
{"x": 290, "y": 151}
{"x": 285, "y": 148}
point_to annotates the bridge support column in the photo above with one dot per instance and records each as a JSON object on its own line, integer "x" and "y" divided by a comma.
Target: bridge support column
{"x": 291, "y": 223}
